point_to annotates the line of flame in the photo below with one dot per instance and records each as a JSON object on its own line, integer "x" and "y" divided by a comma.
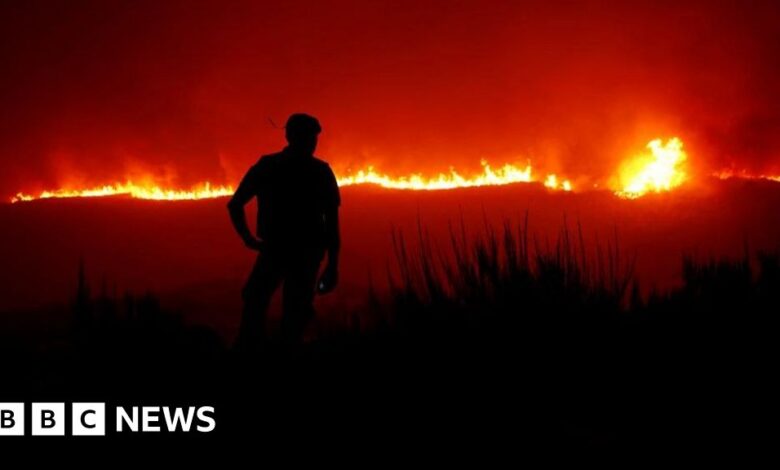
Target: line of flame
{"x": 659, "y": 168}
{"x": 138, "y": 191}
{"x": 730, "y": 174}
{"x": 507, "y": 174}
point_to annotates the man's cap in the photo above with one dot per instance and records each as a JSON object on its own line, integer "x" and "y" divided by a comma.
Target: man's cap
{"x": 300, "y": 123}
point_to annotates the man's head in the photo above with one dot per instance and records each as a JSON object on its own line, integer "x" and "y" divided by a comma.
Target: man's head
{"x": 301, "y": 131}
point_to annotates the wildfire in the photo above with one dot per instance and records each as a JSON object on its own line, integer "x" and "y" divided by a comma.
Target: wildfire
{"x": 654, "y": 171}
{"x": 138, "y": 191}
{"x": 506, "y": 174}
{"x": 659, "y": 168}
{"x": 553, "y": 183}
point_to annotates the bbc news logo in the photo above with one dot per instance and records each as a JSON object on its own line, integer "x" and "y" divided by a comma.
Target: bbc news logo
{"x": 89, "y": 419}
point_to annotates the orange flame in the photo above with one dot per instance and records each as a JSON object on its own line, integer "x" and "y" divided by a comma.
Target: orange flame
{"x": 553, "y": 183}
{"x": 506, "y": 174}
{"x": 729, "y": 174}
{"x": 659, "y": 168}
{"x": 153, "y": 192}
{"x": 654, "y": 171}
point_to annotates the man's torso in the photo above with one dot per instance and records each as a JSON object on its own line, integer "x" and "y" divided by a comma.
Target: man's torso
{"x": 293, "y": 192}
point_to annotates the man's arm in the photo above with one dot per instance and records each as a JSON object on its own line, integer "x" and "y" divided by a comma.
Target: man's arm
{"x": 333, "y": 236}
{"x": 330, "y": 275}
{"x": 236, "y": 205}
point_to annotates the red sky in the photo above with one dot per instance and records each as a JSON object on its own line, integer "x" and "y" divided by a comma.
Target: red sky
{"x": 97, "y": 91}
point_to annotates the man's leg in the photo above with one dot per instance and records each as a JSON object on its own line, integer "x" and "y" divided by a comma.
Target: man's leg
{"x": 298, "y": 298}
{"x": 257, "y": 293}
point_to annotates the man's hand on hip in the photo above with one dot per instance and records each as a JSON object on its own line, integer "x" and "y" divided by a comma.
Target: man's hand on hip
{"x": 254, "y": 243}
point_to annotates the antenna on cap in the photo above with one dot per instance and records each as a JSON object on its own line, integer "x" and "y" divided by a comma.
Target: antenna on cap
{"x": 273, "y": 124}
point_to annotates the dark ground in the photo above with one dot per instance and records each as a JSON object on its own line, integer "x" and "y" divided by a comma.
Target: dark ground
{"x": 541, "y": 352}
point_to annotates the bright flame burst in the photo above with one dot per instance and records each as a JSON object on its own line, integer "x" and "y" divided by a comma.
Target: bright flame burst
{"x": 654, "y": 171}
{"x": 506, "y": 174}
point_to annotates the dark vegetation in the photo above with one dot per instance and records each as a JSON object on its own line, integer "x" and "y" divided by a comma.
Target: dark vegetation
{"x": 501, "y": 337}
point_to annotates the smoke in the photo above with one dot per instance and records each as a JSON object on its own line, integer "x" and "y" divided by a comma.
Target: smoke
{"x": 96, "y": 91}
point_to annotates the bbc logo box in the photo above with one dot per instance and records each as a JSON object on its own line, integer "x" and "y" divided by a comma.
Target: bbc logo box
{"x": 49, "y": 419}
{"x": 88, "y": 419}
{"x": 11, "y": 419}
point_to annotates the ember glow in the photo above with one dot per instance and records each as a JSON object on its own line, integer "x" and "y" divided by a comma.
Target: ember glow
{"x": 656, "y": 170}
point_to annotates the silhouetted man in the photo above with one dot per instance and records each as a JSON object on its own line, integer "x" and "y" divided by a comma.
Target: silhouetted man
{"x": 297, "y": 223}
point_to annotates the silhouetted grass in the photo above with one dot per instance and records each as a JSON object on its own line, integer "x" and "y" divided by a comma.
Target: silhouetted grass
{"x": 572, "y": 318}
{"x": 505, "y": 273}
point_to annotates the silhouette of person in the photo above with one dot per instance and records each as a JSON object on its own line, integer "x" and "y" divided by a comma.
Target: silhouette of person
{"x": 297, "y": 223}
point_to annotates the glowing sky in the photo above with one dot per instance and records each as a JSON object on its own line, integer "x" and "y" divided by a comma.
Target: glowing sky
{"x": 99, "y": 91}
